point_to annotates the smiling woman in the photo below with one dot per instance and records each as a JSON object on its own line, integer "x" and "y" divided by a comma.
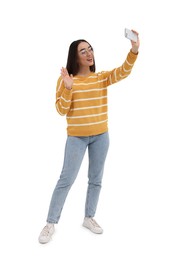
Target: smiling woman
{"x": 81, "y": 95}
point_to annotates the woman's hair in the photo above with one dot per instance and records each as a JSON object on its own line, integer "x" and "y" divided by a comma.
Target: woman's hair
{"x": 72, "y": 64}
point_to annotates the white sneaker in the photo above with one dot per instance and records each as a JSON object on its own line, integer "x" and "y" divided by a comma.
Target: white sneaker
{"x": 92, "y": 225}
{"x": 46, "y": 233}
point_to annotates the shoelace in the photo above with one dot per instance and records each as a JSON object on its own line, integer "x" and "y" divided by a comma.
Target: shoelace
{"x": 45, "y": 231}
{"x": 94, "y": 223}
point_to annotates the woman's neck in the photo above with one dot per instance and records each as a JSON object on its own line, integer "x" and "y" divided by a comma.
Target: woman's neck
{"x": 84, "y": 72}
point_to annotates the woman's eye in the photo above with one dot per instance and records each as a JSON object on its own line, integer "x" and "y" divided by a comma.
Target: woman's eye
{"x": 83, "y": 52}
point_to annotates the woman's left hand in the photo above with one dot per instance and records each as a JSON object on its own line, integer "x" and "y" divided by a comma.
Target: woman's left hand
{"x": 135, "y": 45}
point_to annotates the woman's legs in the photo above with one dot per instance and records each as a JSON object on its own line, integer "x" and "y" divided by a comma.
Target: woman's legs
{"x": 74, "y": 153}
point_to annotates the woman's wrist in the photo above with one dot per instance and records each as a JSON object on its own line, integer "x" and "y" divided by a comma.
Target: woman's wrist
{"x": 68, "y": 87}
{"x": 134, "y": 50}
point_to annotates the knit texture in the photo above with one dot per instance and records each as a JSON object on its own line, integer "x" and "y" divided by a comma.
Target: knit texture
{"x": 85, "y": 105}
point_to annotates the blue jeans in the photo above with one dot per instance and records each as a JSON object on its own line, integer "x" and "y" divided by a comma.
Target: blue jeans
{"x": 74, "y": 152}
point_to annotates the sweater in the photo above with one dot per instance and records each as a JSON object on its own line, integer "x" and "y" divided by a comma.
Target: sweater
{"x": 85, "y": 105}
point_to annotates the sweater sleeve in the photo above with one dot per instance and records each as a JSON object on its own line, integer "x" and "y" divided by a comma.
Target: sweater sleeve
{"x": 121, "y": 72}
{"x": 63, "y": 98}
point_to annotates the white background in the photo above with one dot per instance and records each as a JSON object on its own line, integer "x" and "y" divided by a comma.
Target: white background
{"x": 136, "y": 202}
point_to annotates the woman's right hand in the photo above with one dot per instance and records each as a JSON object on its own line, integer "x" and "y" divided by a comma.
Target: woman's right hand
{"x": 68, "y": 79}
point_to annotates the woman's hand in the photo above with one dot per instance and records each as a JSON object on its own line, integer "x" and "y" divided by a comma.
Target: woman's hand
{"x": 135, "y": 45}
{"x": 68, "y": 80}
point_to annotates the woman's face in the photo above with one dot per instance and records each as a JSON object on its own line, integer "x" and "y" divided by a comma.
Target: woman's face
{"x": 85, "y": 54}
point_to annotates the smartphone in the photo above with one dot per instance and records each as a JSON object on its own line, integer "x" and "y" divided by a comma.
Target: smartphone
{"x": 130, "y": 35}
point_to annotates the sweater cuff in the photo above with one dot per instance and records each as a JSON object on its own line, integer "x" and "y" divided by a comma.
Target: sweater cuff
{"x": 133, "y": 52}
{"x": 132, "y": 56}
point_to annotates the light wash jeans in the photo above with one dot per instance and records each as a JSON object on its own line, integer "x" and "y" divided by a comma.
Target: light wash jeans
{"x": 74, "y": 152}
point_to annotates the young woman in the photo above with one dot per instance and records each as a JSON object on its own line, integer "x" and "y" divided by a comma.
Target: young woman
{"x": 81, "y": 95}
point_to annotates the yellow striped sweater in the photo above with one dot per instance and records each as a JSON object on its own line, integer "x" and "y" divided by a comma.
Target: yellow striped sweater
{"x": 85, "y": 105}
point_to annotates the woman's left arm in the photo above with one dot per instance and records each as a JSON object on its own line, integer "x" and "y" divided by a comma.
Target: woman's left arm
{"x": 125, "y": 69}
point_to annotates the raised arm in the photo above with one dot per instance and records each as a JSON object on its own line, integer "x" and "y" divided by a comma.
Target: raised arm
{"x": 125, "y": 69}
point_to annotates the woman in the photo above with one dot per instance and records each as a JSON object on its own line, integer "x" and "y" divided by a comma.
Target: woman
{"x": 81, "y": 95}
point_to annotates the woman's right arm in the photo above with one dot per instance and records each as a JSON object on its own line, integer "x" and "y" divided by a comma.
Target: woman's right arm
{"x": 63, "y": 97}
